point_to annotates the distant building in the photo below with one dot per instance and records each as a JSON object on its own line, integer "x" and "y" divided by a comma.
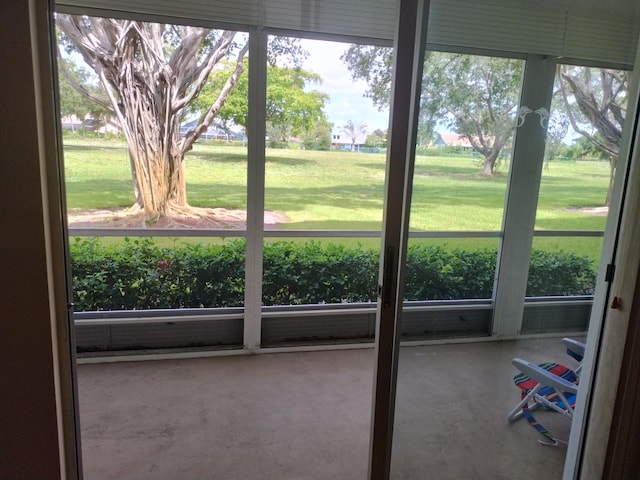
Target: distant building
{"x": 452, "y": 140}
{"x": 212, "y": 133}
{"x": 343, "y": 141}
{"x": 456, "y": 141}
{"x": 99, "y": 125}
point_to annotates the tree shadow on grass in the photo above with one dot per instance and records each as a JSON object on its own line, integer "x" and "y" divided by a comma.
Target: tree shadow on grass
{"x": 217, "y": 195}
{"x": 378, "y": 167}
{"x": 360, "y": 197}
{"x": 217, "y": 157}
{"x": 583, "y": 222}
{"x": 98, "y": 193}
{"x": 242, "y": 158}
{"x": 466, "y": 172}
{"x": 488, "y": 195}
{"x": 289, "y": 161}
{"x": 336, "y": 225}
{"x": 105, "y": 146}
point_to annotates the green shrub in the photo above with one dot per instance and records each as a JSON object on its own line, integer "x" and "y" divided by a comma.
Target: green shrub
{"x": 278, "y": 145}
{"x": 434, "y": 273}
{"x": 311, "y": 273}
{"x": 560, "y": 273}
{"x": 138, "y": 274}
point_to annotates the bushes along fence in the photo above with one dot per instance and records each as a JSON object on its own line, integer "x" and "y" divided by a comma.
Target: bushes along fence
{"x": 139, "y": 274}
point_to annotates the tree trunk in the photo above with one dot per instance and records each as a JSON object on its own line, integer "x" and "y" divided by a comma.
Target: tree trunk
{"x": 612, "y": 175}
{"x": 158, "y": 178}
{"x": 157, "y": 163}
{"x": 151, "y": 128}
{"x": 149, "y": 80}
{"x": 490, "y": 162}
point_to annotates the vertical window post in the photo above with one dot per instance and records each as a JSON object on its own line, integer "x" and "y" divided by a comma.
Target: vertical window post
{"x": 256, "y": 131}
{"x": 409, "y": 51}
{"x": 522, "y": 195}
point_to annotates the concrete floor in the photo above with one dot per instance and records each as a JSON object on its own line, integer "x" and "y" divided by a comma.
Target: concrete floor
{"x": 306, "y": 416}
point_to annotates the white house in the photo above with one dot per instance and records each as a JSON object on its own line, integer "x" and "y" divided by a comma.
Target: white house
{"x": 105, "y": 125}
{"x": 343, "y": 141}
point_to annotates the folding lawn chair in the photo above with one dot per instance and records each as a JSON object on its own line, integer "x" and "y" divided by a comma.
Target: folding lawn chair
{"x": 548, "y": 385}
{"x": 575, "y": 349}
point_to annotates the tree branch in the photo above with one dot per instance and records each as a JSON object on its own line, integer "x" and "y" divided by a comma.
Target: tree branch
{"x": 596, "y": 115}
{"x": 81, "y": 89}
{"x": 187, "y": 142}
{"x": 574, "y": 124}
{"x": 198, "y": 77}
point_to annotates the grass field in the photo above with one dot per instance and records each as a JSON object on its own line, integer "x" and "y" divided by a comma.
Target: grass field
{"x": 344, "y": 190}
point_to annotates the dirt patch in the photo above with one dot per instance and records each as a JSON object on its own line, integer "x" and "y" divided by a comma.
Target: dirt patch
{"x": 192, "y": 218}
{"x": 602, "y": 211}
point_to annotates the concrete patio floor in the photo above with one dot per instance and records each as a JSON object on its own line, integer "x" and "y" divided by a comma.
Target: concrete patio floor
{"x": 306, "y": 415}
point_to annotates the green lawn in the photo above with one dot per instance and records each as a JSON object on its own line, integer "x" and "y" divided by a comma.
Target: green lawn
{"x": 344, "y": 190}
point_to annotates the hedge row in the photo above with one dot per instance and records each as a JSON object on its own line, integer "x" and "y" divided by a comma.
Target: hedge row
{"x": 138, "y": 274}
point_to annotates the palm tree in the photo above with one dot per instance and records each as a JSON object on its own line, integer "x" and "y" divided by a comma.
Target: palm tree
{"x": 354, "y": 130}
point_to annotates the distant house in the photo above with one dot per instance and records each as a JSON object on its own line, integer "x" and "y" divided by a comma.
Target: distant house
{"x": 343, "y": 141}
{"x": 102, "y": 125}
{"x": 212, "y": 133}
{"x": 458, "y": 142}
{"x": 453, "y": 140}
{"x": 71, "y": 122}
{"x": 437, "y": 140}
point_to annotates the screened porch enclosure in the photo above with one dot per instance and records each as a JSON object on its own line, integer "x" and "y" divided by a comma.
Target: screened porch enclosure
{"x": 449, "y": 259}
{"x": 135, "y": 332}
{"x": 505, "y": 289}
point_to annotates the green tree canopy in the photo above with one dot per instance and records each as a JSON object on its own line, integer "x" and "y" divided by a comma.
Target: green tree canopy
{"x": 595, "y": 102}
{"x": 377, "y": 139}
{"x": 318, "y": 138}
{"x": 292, "y": 107}
{"x": 475, "y": 96}
{"x": 72, "y": 80}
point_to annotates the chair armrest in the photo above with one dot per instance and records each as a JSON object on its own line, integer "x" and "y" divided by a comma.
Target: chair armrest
{"x": 574, "y": 348}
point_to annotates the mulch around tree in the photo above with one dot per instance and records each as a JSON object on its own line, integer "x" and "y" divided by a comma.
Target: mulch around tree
{"x": 194, "y": 217}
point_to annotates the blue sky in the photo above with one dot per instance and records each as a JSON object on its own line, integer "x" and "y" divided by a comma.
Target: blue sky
{"x": 346, "y": 96}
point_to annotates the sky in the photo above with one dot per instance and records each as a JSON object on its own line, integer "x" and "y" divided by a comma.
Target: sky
{"x": 346, "y": 95}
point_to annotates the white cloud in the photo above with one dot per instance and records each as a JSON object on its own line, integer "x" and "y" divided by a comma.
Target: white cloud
{"x": 346, "y": 95}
